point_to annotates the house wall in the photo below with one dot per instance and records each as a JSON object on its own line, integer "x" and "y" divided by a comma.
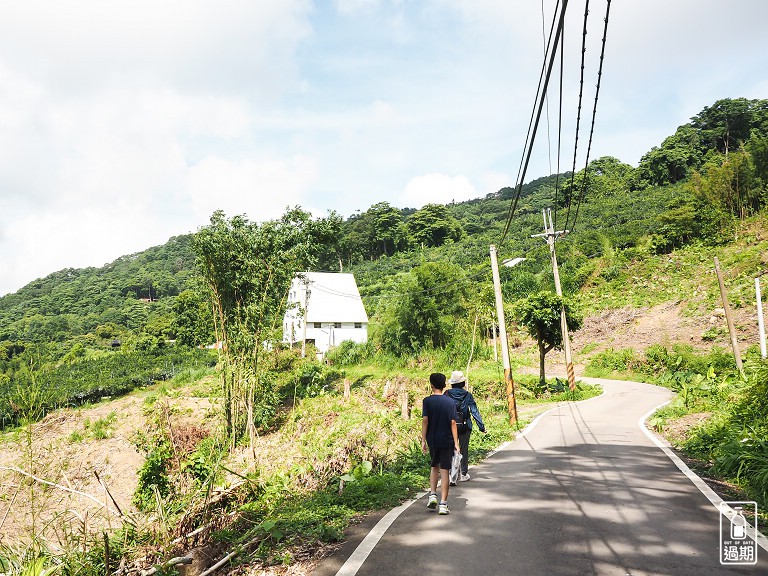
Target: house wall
{"x": 328, "y": 335}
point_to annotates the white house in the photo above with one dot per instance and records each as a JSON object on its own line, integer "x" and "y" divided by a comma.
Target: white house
{"x": 334, "y": 311}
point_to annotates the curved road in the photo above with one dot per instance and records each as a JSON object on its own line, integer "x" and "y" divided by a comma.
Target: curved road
{"x": 584, "y": 492}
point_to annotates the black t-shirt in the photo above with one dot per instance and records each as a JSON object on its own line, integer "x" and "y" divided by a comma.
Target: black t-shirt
{"x": 439, "y": 410}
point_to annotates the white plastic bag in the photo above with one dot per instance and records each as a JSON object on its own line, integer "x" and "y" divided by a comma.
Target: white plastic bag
{"x": 453, "y": 475}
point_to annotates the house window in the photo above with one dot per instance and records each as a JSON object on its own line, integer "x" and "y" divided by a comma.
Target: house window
{"x": 358, "y": 324}
{"x": 316, "y": 324}
{"x": 337, "y": 324}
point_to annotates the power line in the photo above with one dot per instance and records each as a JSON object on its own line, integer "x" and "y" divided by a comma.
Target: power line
{"x": 578, "y": 110}
{"x": 533, "y": 126}
{"x": 594, "y": 113}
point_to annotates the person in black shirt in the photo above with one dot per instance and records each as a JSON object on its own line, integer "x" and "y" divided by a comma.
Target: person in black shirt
{"x": 439, "y": 437}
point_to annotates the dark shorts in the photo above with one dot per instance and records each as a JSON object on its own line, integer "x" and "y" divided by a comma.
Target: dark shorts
{"x": 441, "y": 457}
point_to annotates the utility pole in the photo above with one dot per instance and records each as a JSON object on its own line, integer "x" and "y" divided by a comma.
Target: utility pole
{"x": 304, "y": 320}
{"x": 729, "y": 317}
{"x": 550, "y": 235}
{"x": 511, "y": 401}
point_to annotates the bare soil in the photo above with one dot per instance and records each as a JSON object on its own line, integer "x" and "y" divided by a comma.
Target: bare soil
{"x": 666, "y": 324}
{"x": 67, "y": 474}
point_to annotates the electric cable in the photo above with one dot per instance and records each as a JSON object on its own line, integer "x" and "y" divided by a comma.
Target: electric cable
{"x": 529, "y": 142}
{"x": 559, "y": 123}
{"x": 544, "y": 41}
{"x": 594, "y": 113}
{"x": 578, "y": 111}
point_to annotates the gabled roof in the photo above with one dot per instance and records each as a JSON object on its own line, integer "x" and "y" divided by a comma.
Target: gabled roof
{"x": 334, "y": 298}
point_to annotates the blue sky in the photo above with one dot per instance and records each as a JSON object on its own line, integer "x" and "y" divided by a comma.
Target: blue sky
{"x": 123, "y": 123}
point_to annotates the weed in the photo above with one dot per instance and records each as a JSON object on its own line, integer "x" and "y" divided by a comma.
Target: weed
{"x": 75, "y": 437}
{"x": 102, "y": 428}
{"x": 153, "y": 477}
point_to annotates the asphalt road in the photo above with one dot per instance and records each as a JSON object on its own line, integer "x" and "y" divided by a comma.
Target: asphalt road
{"x": 584, "y": 492}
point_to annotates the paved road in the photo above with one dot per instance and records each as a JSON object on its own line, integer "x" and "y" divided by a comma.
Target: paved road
{"x": 585, "y": 492}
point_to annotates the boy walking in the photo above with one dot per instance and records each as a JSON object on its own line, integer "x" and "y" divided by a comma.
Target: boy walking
{"x": 439, "y": 437}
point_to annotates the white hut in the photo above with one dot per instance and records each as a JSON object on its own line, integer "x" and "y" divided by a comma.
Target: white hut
{"x": 334, "y": 311}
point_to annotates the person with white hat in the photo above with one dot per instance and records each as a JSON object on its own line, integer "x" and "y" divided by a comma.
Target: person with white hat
{"x": 466, "y": 409}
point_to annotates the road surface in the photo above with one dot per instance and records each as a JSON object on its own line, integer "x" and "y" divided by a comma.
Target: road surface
{"x": 584, "y": 492}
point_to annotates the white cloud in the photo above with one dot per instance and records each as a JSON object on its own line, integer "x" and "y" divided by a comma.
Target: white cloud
{"x": 348, "y": 7}
{"x": 126, "y": 122}
{"x": 437, "y": 189}
{"x": 260, "y": 189}
{"x": 46, "y": 241}
{"x": 201, "y": 46}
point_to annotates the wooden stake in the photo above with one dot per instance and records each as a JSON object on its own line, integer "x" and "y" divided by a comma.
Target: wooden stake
{"x": 729, "y": 318}
{"x": 760, "y": 322}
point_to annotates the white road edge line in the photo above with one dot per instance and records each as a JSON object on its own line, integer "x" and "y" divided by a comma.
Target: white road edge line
{"x": 711, "y": 495}
{"x": 355, "y": 561}
{"x": 363, "y": 550}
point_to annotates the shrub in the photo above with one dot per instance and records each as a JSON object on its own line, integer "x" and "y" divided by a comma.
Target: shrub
{"x": 611, "y": 360}
{"x": 349, "y": 353}
{"x": 313, "y": 379}
{"x": 153, "y": 477}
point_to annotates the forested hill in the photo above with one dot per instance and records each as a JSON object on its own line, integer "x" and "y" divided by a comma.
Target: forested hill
{"x": 124, "y": 293}
{"x": 694, "y": 187}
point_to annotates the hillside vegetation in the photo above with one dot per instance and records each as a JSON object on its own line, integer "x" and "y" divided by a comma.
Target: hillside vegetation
{"x": 288, "y": 451}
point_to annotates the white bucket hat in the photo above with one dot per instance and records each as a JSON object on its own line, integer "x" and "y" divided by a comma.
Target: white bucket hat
{"x": 457, "y": 377}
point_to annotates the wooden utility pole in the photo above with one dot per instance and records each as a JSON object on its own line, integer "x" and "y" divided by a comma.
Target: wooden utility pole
{"x": 760, "y": 323}
{"x": 550, "y": 235}
{"x": 511, "y": 401}
{"x": 728, "y": 317}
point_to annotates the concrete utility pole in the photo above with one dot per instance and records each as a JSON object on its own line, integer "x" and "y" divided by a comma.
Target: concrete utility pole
{"x": 729, "y": 317}
{"x": 760, "y": 323}
{"x": 511, "y": 401}
{"x": 304, "y": 320}
{"x": 550, "y": 234}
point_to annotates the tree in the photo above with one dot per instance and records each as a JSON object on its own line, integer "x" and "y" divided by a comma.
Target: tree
{"x": 192, "y": 322}
{"x": 726, "y": 124}
{"x": 375, "y": 233}
{"x": 606, "y": 176}
{"x": 247, "y": 269}
{"x": 424, "y": 312}
{"x": 728, "y": 185}
{"x": 540, "y": 314}
{"x": 678, "y": 155}
{"x": 433, "y": 226}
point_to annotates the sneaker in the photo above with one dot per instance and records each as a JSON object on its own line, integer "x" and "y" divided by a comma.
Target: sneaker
{"x": 432, "y": 504}
{"x": 451, "y": 483}
{"x": 464, "y": 477}
{"x": 444, "y": 508}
